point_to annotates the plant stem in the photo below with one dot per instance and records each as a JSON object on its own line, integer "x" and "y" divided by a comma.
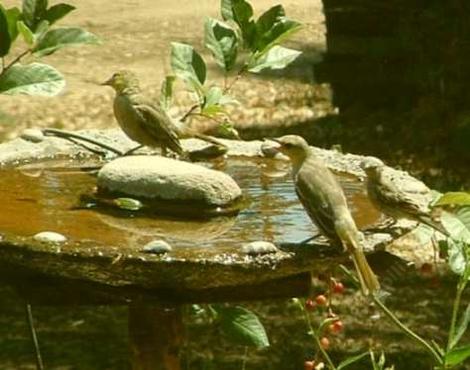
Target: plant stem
{"x": 245, "y": 356}
{"x": 455, "y": 310}
{"x": 16, "y": 60}
{"x": 34, "y": 338}
{"x": 317, "y": 341}
{"x": 68, "y": 135}
{"x": 237, "y": 77}
{"x": 407, "y": 330}
{"x": 189, "y": 112}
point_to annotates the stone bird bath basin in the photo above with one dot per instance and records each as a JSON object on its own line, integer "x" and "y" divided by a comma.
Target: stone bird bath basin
{"x": 49, "y": 184}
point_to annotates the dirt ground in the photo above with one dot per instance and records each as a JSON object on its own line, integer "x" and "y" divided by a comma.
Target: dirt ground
{"x": 136, "y": 34}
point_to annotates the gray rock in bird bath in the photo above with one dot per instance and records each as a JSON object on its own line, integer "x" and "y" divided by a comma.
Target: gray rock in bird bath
{"x": 168, "y": 179}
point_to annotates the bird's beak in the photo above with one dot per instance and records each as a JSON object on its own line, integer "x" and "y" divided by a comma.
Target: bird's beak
{"x": 272, "y": 139}
{"x": 107, "y": 82}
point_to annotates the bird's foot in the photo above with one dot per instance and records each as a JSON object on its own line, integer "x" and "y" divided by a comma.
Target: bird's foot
{"x": 308, "y": 240}
{"x": 131, "y": 151}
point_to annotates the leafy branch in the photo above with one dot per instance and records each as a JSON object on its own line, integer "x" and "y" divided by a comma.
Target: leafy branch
{"x": 237, "y": 40}
{"x": 34, "y": 23}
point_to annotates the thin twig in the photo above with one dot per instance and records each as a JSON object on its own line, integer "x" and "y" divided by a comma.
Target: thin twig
{"x": 237, "y": 77}
{"x": 34, "y": 338}
{"x": 189, "y": 112}
{"x": 455, "y": 310}
{"x": 317, "y": 341}
{"x": 407, "y": 330}
{"x": 203, "y": 115}
{"x": 68, "y": 135}
{"x": 245, "y": 357}
{"x": 16, "y": 60}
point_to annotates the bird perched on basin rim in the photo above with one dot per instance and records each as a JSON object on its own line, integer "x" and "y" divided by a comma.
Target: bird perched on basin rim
{"x": 142, "y": 120}
{"x": 323, "y": 198}
{"x": 397, "y": 203}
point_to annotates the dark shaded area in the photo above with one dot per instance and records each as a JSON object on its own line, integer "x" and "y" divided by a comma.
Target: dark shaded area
{"x": 399, "y": 72}
{"x": 96, "y": 337}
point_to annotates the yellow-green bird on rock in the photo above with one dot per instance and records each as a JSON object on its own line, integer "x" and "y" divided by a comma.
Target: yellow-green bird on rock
{"x": 142, "y": 120}
{"x": 386, "y": 196}
{"x": 323, "y": 198}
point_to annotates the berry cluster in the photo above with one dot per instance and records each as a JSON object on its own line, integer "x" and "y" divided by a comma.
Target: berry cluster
{"x": 331, "y": 323}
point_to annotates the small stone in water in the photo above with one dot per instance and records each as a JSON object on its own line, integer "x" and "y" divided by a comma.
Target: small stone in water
{"x": 49, "y": 237}
{"x": 259, "y": 247}
{"x": 269, "y": 149}
{"x": 32, "y": 134}
{"x": 128, "y": 204}
{"x": 157, "y": 247}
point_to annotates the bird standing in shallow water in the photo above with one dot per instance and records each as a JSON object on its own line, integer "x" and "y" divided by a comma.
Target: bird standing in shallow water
{"x": 140, "y": 119}
{"x": 397, "y": 203}
{"x": 324, "y": 200}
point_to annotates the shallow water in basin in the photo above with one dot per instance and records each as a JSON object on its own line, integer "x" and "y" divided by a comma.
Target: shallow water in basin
{"x": 48, "y": 196}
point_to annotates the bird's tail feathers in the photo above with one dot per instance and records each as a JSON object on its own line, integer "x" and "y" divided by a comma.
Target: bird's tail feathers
{"x": 368, "y": 280}
{"x": 350, "y": 238}
{"x": 435, "y": 224}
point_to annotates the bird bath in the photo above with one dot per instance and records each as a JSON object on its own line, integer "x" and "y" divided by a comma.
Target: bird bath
{"x": 103, "y": 261}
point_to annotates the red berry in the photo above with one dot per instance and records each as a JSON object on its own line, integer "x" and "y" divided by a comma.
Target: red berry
{"x": 426, "y": 269}
{"x": 336, "y": 327}
{"x": 325, "y": 343}
{"x": 309, "y": 365}
{"x": 310, "y": 304}
{"x": 321, "y": 300}
{"x": 338, "y": 287}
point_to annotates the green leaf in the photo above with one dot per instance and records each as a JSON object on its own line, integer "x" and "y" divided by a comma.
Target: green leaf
{"x": 32, "y": 79}
{"x": 5, "y": 38}
{"x": 28, "y": 35}
{"x": 222, "y": 41}
{"x": 34, "y": 12}
{"x": 351, "y": 360}
{"x": 277, "y": 57}
{"x": 457, "y": 257}
{"x": 41, "y": 30}
{"x": 61, "y": 37}
{"x": 13, "y": 16}
{"x": 57, "y": 12}
{"x": 128, "y": 204}
{"x": 457, "y": 356}
{"x": 456, "y": 224}
{"x": 166, "y": 92}
{"x": 242, "y": 326}
{"x": 188, "y": 65}
{"x": 454, "y": 198}
{"x": 464, "y": 215}
{"x": 213, "y": 96}
{"x": 227, "y": 130}
{"x": 461, "y": 328}
{"x": 273, "y": 27}
{"x": 226, "y": 10}
{"x": 242, "y": 13}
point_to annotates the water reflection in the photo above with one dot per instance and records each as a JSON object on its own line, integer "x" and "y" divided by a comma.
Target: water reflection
{"x": 49, "y": 202}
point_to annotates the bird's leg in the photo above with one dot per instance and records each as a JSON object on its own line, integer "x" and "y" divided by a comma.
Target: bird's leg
{"x": 380, "y": 226}
{"x": 129, "y": 152}
{"x": 306, "y": 241}
{"x": 164, "y": 151}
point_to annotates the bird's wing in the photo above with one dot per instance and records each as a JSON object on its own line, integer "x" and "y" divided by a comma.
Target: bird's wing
{"x": 317, "y": 205}
{"x": 389, "y": 194}
{"x": 159, "y": 125}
